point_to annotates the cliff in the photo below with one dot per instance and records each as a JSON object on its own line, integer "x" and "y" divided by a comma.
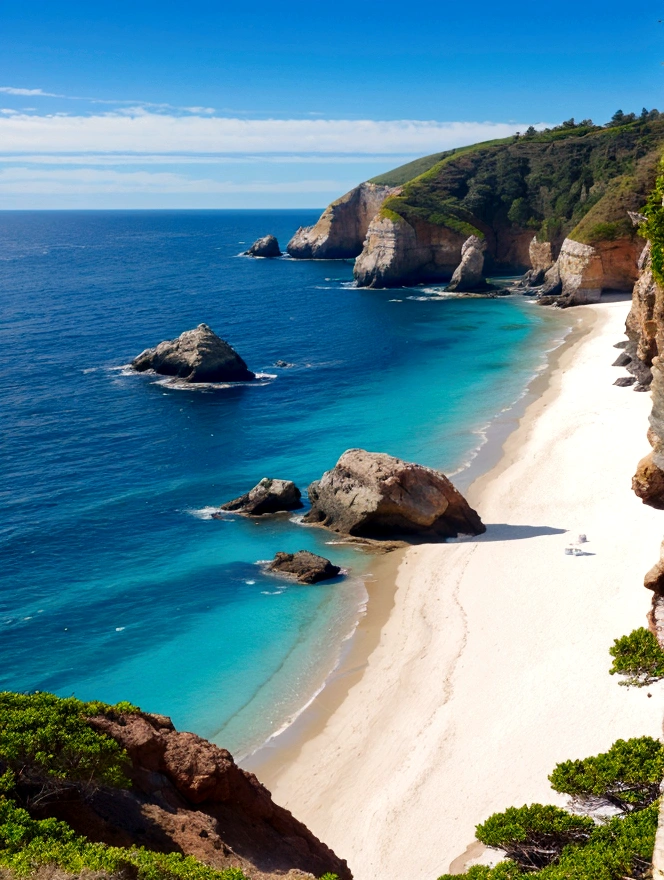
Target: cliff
{"x": 568, "y": 189}
{"x": 342, "y": 228}
{"x": 126, "y": 779}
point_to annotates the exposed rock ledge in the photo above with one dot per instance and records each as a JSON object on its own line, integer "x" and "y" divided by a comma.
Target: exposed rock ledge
{"x": 190, "y": 796}
{"x": 376, "y": 495}
{"x": 197, "y": 355}
{"x": 342, "y": 228}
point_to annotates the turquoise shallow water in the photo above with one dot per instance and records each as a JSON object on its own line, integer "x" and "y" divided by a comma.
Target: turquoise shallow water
{"x": 115, "y": 583}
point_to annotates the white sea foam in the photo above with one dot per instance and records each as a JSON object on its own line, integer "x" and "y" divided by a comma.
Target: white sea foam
{"x": 271, "y": 592}
{"x": 206, "y": 513}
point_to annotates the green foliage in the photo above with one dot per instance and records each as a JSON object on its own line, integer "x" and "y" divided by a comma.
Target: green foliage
{"x": 618, "y": 850}
{"x": 26, "y": 844}
{"x": 628, "y": 776}
{"x": 47, "y": 745}
{"x": 576, "y": 180}
{"x": 653, "y": 227}
{"x": 533, "y": 836}
{"x": 638, "y": 657}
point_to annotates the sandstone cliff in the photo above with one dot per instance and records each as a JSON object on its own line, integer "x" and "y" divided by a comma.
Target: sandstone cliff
{"x": 342, "y": 228}
{"x": 189, "y": 796}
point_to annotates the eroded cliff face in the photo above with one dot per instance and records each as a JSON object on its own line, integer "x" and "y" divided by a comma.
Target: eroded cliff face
{"x": 189, "y": 796}
{"x": 396, "y": 252}
{"x": 342, "y": 228}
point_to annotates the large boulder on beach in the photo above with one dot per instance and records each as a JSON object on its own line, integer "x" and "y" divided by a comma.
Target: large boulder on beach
{"x": 468, "y": 274}
{"x": 269, "y": 496}
{"x": 197, "y": 355}
{"x": 375, "y": 495}
{"x": 306, "y": 567}
{"x": 268, "y": 246}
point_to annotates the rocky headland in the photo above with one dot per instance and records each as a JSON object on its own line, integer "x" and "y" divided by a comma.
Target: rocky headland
{"x": 197, "y": 355}
{"x": 268, "y": 496}
{"x": 551, "y": 204}
{"x": 168, "y": 791}
{"x": 374, "y": 495}
{"x": 342, "y": 228}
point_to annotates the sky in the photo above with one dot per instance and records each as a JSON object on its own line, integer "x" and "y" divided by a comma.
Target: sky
{"x": 261, "y": 105}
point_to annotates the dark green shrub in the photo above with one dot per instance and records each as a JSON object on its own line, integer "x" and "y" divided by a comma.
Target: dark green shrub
{"x": 534, "y": 836}
{"x": 628, "y": 776}
{"x": 46, "y": 745}
{"x": 638, "y": 657}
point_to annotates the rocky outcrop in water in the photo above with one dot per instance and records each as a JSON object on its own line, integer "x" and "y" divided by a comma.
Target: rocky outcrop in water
{"x": 341, "y": 229}
{"x": 268, "y": 246}
{"x": 306, "y": 567}
{"x": 468, "y": 274}
{"x": 197, "y": 355}
{"x": 190, "y": 796}
{"x": 374, "y": 495}
{"x": 269, "y": 496}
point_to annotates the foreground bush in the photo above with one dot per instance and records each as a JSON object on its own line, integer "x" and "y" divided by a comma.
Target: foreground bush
{"x": 638, "y": 657}
{"x": 47, "y": 746}
{"x": 628, "y": 776}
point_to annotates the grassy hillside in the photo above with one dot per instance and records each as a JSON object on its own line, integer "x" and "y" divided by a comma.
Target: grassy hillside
{"x": 576, "y": 181}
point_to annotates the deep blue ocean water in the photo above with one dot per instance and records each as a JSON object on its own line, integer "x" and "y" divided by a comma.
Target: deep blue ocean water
{"x": 114, "y": 582}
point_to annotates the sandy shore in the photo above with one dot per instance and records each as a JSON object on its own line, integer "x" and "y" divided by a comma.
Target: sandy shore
{"x": 492, "y": 664}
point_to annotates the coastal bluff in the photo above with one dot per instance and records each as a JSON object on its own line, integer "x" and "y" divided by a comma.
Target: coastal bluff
{"x": 374, "y": 495}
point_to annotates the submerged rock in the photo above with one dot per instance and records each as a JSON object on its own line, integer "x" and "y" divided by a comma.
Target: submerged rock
{"x": 268, "y": 246}
{"x": 269, "y": 496}
{"x": 375, "y": 495}
{"x": 468, "y": 274}
{"x": 197, "y": 355}
{"x": 307, "y": 567}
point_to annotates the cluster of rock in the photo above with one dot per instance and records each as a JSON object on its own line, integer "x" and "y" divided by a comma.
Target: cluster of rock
{"x": 197, "y": 355}
{"x": 189, "y": 796}
{"x": 268, "y": 246}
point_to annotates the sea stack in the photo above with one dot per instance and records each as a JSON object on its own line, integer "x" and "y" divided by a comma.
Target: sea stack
{"x": 468, "y": 274}
{"x": 269, "y": 496}
{"x": 197, "y": 355}
{"x": 268, "y": 246}
{"x": 374, "y": 495}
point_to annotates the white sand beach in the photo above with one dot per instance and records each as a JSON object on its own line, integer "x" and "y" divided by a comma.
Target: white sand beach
{"x": 493, "y": 664}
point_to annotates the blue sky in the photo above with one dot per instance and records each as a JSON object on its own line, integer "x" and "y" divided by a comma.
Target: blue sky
{"x": 264, "y": 105}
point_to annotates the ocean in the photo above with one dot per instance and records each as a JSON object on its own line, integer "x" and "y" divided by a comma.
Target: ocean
{"x": 115, "y": 582}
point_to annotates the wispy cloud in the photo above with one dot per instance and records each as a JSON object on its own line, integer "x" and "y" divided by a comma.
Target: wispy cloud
{"x": 10, "y": 90}
{"x": 146, "y": 132}
{"x": 33, "y": 181}
{"x": 176, "y": 159}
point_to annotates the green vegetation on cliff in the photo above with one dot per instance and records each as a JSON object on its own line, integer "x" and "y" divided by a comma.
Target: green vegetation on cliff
{"x": 548, "y": 843}
{"x": 653, "y": 227}
{"x": 638, "y": 657}
{"x": 49, "y": 751}
{"x": 575, "y": 180}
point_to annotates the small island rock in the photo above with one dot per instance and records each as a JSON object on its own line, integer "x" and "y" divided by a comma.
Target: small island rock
{"x": 197, "y": 355}
{"x": 268, "y": 246}
{"x": 307, "y": 567}
{"x": 269, "y": 496}
{"x": 374, "y": 495}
